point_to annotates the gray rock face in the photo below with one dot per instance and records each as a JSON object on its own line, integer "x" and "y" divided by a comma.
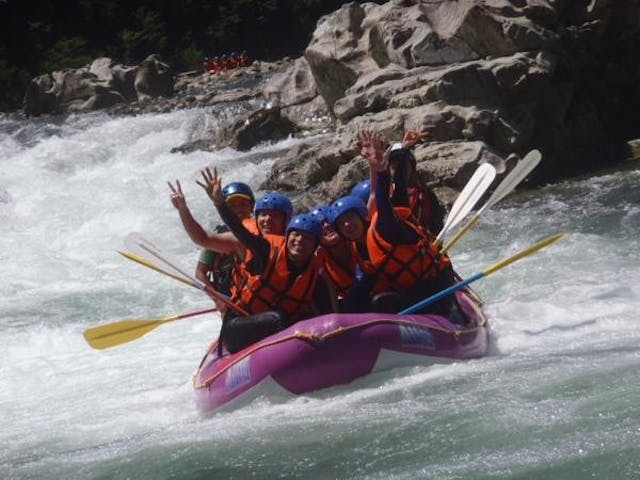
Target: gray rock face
{"x": 40, "y": 96}
{"x": 485, "y": 79}
{"x": 293, "y": 87}
{"x": 100, "y": 85}
{"x": 154, "y": 78}
{"x": 248, "y": 131}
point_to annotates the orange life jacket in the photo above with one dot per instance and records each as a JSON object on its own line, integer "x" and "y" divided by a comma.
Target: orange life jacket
{"x": 239, "y": 278}
{"x": 341, "y": 273}
{"x": 275, "y": 289}
{"x": 403, "y": 265}
{"x": 251, "y": 224}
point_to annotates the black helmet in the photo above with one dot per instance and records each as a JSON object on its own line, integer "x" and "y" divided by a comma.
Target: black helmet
{"x": 397, "y": 153}
{"x": 238, "y": 189}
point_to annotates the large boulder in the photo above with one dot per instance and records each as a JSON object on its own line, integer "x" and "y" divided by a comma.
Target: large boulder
{"x": 154, "y": 78}
{"x": 333, "y": 54}
{"x": 40, "y": 96}
{"x": 293, "y": 86}
{"x": 262, "y": 125}
{"x": 102, "y": 84}
{"x": 295, "y": 92}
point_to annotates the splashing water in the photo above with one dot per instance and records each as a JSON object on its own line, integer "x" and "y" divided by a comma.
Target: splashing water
{"x": 556, "y": 398}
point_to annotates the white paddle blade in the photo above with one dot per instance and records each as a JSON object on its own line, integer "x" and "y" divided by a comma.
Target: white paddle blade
{"x": 471, "y": 193}
{"x": 513, "y": 179}
{"x": 143, "y": 248}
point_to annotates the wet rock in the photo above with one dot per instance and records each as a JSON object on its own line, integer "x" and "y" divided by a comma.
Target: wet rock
{"x": 154, "y": 78}
{"x": 263, "y": 125}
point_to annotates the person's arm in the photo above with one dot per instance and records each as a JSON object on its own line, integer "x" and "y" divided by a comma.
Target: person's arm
{"x": 202, "y": 274}
{"x": 388, "y": 225}
{"x": 365, "y": 147}
{"x": 212, "y": 241}
{"x": 391, "y": 228}
{"x": 206, "y": 265}
{"x": 357, "y": 294}
{"x": 257, "y": 244}
{"x": 371, "y": 201}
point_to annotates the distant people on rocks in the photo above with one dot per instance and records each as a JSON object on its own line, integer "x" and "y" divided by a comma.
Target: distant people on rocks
{"x": 225, "y": 62}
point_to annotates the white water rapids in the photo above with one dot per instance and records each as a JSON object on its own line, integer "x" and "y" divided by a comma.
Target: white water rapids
{"x": 558, "y": 397}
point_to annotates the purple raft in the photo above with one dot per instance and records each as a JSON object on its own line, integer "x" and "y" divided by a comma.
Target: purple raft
{"x": 335, "y": 349}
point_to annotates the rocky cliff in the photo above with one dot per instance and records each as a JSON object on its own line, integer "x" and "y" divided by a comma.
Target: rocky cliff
{"x": 485, "y": 78}
{"x": 488, "y": 80}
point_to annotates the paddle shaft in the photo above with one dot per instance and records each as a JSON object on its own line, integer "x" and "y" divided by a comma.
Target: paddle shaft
{"x": 460, "y": 233}
{"x": 146, "y": 263}
{"x": 193, "y": 314}
{"x": 487, "y": 271}
{"x": 186, "y": 280}
{"x": 172, "y": 265}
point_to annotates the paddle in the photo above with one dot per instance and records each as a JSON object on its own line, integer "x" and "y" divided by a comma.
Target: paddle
{"x": 146, "y": 263}
{"x": 142, "y": 249}
{"x": 123, "y": 331}
{"x": 515, "y": 176}
{"x": 487, "y": 271}
{"x": 471, "y": 193}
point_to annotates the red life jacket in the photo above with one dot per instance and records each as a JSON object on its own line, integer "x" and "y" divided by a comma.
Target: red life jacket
{"x": 426, "y": 209}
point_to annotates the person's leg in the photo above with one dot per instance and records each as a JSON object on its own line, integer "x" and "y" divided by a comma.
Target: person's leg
{"x": 240, "y": 332}
{"x": 443, "y": 307}
{"x": 357, "y": 299}
{"x": 386, "y": 302}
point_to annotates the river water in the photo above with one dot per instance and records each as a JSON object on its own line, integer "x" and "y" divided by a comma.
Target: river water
{"x": 558, "y": 396}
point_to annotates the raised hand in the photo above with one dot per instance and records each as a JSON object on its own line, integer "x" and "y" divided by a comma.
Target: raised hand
{"x": 365, "y": 143}
{"x": 212, "y": 185}
{"x": 373, "y": 147}
{"x": 412, "y": 137}
{"x": 177, "y": 197}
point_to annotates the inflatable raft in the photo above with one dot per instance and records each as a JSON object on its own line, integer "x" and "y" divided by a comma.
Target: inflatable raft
{"x": 336, "y": 349}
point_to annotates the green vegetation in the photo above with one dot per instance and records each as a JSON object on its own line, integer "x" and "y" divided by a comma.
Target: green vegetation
{"x": 40, "y": 36}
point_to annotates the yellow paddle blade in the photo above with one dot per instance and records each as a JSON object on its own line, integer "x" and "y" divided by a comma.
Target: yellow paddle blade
{"x": 123, "y": 331}
{"x": 523, "y": 253}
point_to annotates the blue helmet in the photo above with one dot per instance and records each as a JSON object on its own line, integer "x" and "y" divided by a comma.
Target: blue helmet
{"x": 343, "y": 205}
{"x": 321, "y": 212}
{"x": 362, "y": 190}
{"x": 306, "y": 222}
{"x": 238, "y": 189}
{"x": 275, "y": 201}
